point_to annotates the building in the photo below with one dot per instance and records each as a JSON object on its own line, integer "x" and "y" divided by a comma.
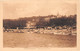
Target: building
{"x": 30, "y": 24}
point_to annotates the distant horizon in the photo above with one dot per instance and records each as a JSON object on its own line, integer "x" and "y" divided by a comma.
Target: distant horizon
{"x": 15, "y": 10}
{"x": 43, "y": 16}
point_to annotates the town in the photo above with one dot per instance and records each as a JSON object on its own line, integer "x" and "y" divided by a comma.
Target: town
{"x": 51, "y": 24}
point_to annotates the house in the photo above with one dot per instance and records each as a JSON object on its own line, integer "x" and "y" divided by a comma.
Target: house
{"x": 30, "y": 24}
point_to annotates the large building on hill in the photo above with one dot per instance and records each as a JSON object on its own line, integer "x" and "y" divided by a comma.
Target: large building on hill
{"x": 32, "y": 21}
{"x": 30, "y": 24}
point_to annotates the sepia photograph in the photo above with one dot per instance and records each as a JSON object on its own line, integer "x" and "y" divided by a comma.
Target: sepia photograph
{"x": 40, "y": 23}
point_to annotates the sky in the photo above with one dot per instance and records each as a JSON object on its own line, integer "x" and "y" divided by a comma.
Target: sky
{"x": 28, "y": 8}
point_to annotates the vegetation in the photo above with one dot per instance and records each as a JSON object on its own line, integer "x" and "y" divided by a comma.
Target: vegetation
{"x": 41, "y": 23}
{"x": 13, "y": 24}
{"x": 62, "y": 21}
{"x": 57, "y": 21}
